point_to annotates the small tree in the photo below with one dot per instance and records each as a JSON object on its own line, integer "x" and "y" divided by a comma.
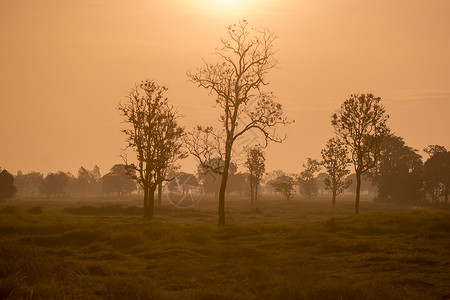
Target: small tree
{"x": 56, "y": 184}
{"x": 437, "y": 172}
{"x": 7, "y": 188}
{"x": 85, "y": 180}
{"x": 398, "y": 173}
{"x": 28, "y": 184}
{"x": 361, "y": 124}
{"x": 306, "y": 180}
{"x": 247, "y": 55}
{"x": 283, "y": 184}
{"x": 336, "y": 161}
{"x": 118, "y": 181}
{"x": 255, "y": 164}
{"x": 155, "y": 137}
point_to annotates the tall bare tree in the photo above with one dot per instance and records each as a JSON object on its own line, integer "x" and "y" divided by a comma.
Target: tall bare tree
{"x": 154, "y": 135}
{"x": 361, "y": 124}
{"x": 336, "y": 161}
{"x": 246, "y": 56}
{"x": 255, "y": 163}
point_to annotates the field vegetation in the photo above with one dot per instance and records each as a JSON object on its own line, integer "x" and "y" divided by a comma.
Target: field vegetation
{"x": 275, "y": 249}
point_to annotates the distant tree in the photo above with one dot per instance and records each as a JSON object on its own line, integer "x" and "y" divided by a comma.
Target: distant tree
{"x": 182, "y": 182}
{"x": 361, "y": 124}
{"x": 336, "y": 162}
{"x": 154, "y": 135}
{"x": 437, "y": 173}
{"x": 306, "y": 180}
{"x": 320, "y": 179}
{"x": 85, "y": 180}
{"x": 398, "y": 172}
{"x": 117, "y": 181}
{"x": 28, "y": 184}
{"x": 247, "y": 55}
{"x": 367, "y": 185}
{"x": 55, "y": 184}
{"x": 238, "y": 184}
{"x": 433, "y": 149}
{"x": 7, "y": 188}
{"x": 255, "y": 163}
{"x": 96, "y": 173}
{"x": 283, "y": 184}
{"x": 210, "y": 181}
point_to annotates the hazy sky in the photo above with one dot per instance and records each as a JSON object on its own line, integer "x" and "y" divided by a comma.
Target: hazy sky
{"x": 65, "y": 65}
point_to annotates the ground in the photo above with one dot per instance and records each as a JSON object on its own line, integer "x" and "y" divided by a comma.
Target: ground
{"x": 276, "y": 249}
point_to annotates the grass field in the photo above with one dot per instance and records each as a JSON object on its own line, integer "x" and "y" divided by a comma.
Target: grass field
{"x": 92, "y": 249}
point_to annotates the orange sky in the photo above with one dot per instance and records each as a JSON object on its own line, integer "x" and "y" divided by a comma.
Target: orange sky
{"x": 65, "y": 65}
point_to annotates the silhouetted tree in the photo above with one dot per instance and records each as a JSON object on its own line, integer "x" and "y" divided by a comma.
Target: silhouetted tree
{"x": 247, "y": 56}
{"x": 433, "y": 149}
{"x": 85, "y": 180}
{"x": 28, "y": 184}
{"x": 182, "y": 182}
{"x": 437, "y": 172}
{"x": 118, "y": 181}
{"x": 154, "y": 135}
{"x": 336, "y": 162}
{"x": 361, "y": 124}
{"x": 367, "y": 185}
{"x": 7, "y": 188}
{"x": 306, "y": 180}
{"x": 238, "y": 184}
{"x": 211, "y": 181}
{"x": 283, "y": 184}
{"x": 55, "y": 184}
{"x": 255, "y": 163}
{"x": 320, "y": 179}
{"x": 398, "y": 172}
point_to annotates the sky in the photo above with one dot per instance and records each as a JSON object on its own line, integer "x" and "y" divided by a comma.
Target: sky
{"x": 66, "y": 65}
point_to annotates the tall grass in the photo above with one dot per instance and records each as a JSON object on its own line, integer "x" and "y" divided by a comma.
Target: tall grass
{"x": 399, "y": 255}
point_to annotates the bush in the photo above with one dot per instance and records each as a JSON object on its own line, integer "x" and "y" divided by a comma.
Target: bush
{"x": 36, "y": 210}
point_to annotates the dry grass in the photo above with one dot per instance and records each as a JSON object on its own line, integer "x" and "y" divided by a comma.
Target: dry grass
{"x": 274, "y": 250}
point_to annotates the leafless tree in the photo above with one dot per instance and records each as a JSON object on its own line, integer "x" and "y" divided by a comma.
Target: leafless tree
{"x": 246, "y": 56}
{"x": 154, "y": 135}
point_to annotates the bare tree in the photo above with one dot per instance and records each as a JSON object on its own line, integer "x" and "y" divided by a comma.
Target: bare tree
{"x": 154, "y": 135}
{"x": 336, "y": 161}
{"x": 361, "y": 124}
{"x": 247, "y": 55}
{"x": 255, "y": 163}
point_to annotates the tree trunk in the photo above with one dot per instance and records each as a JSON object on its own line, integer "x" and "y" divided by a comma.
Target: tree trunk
{"x": 160, "y": 194}
{"x": 333, "y": 201}
{"x": 146, "y": 193}
{"x": 252, "y": 190}
{"x": 223, "y": 186}
{"x": 446, "y": 195}
{"x": 358, "y": 191}
{"x": 151, "y": 203}
{"x": 256, "y": 191}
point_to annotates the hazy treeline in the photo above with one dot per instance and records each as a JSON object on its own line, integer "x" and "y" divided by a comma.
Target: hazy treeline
{"x": 86, "y": 183}
{"x": 401, "y": 175}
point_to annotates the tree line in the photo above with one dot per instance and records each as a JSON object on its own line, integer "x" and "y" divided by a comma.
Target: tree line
{"x": 60, "y": 184}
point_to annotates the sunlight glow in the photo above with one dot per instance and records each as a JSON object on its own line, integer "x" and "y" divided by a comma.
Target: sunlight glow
{"x": 227, "y": 4}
